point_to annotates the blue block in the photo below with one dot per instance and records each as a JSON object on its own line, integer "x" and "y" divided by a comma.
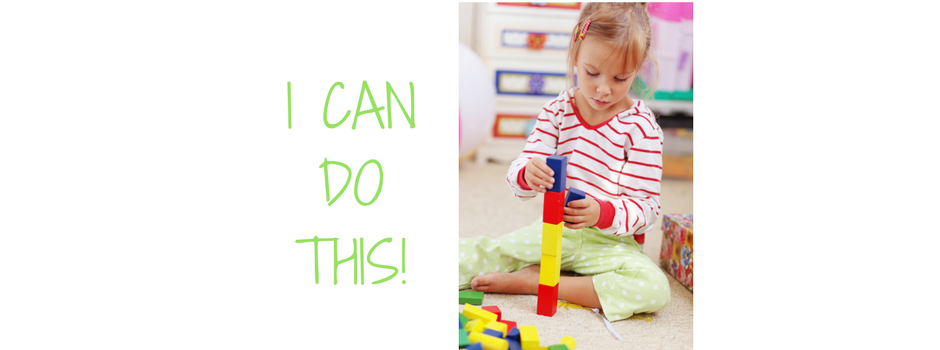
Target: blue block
{"x": 475, "y": 346}
{"x": 514, "y": 345}
{"x": 493, "y": 332}
{"x": 513, "y": 334}
{"x": 559, "y": 165}
{"x": 574, "y": 194}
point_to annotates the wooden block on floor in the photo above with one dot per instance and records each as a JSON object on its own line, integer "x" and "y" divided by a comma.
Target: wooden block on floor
{"x": 548, "y": 300}
{"x": 494, "y": 309}
{"x": 462, "y": 341}
{"x": 529, "y": 338}
{"x": 500, "y": 327}
{"x": 489, "y": 342}
{"x": 471, "y": 297}
{"x": 475, "y": 313}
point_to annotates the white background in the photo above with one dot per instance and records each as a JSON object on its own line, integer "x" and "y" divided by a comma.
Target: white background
{"x": 152, "y": 191}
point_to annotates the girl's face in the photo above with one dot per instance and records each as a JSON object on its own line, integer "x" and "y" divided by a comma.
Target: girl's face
{"x": 602, "y": 78}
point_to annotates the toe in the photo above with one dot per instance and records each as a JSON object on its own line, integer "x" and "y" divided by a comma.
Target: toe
{"x": 479, "y": 283}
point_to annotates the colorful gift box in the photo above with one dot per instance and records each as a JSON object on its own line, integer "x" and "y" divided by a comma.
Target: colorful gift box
{"x": 676, "y": 252}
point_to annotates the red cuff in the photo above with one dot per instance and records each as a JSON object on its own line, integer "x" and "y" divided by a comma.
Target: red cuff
{"x": 521, "y": 180}
{"x": 607, "y": 215}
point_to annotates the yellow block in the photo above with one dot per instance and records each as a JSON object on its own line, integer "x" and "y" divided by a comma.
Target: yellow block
{"x": 551, "y": 238}
{"x": 529, "y": 338}
{"x": 489, "y": 342}
{"x": 569, "y": 342}
{"x": 474, "y": 326}
{"x": 475, "y": 313}
{"x": 550, "y": 270}
{"x": 498, "y": 326}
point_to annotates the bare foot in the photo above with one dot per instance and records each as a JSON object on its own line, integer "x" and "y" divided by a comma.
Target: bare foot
{"x": 524, "y": 281}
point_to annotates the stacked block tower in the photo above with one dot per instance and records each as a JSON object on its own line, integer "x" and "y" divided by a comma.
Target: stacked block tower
{"x": 553, "y": 211}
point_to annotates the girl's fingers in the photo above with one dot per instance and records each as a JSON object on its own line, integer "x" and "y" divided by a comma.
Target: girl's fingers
{"x": 546, "y": 180}
{"x": 569, "y": 211}
{"x": 575, "y": 226}
{"x": 577, "y": 219}
{"x": 538, "y": 181}
{"x": 581, "y": 203}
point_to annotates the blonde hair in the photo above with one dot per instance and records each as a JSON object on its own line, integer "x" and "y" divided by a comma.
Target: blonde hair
{"x": 626, "y": 28}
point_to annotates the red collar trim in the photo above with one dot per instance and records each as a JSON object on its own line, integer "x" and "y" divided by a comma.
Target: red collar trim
{"x": 577, "y": 113}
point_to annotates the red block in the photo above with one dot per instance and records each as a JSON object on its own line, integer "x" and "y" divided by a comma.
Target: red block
{"x": 548, "y": 300}
{"x": 494, "y": 309}
{"x": 509, "y": 325}
{"x": 553, "y": 208}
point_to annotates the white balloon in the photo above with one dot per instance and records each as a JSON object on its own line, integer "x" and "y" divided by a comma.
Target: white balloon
{"x": 477, "y": 101}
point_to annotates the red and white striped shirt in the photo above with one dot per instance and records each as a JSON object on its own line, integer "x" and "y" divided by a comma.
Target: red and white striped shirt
{"x": 618, "y": 161}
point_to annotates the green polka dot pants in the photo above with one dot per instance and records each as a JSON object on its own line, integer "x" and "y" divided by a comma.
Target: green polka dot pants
{"x": 626, "y": 280}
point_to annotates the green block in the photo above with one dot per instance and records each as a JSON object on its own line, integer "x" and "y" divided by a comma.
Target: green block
{"x": 472, "y": 298}
{"x": 558, "y": 347}
{"x": 463, "y": 319}
{"x": 465, "y": 341}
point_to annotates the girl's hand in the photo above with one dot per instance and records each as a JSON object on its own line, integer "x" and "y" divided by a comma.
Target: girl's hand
{"x": 582, "y": 213}
{"x": 538, "y": 175}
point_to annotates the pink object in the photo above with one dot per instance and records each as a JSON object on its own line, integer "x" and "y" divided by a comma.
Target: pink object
{"x": 687, "y": 10}
{"x": 670, "y": 11}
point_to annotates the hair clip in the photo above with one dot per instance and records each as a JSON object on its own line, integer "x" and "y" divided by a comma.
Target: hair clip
{"x": 584, "y": 28}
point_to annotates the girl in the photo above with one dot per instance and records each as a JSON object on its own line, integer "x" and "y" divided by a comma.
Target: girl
{"x": 614, "y": 150}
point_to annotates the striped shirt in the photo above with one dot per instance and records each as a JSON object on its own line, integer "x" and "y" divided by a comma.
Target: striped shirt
{"x": 618, "y": 161}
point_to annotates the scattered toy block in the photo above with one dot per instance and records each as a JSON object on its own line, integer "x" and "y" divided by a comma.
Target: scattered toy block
{"x": 470, "y": 297}
{"x": 569, "y": 342}
{"x": 475, "y": 346}
{"x": 513, "y": 334}
{"x": 550, "y": 271}
{"x": 474, "y": 326}
{"x": 476, "y": 313}
{"x": 559, "y": 165}
{"x": 510, "y": 325}
{"x": 514, "y": 344}
{"x": 548, "y": 301}
{"x": 529, "y": 337}
{"x": 489, "y": 342}
{"x": 463, "y": 320}
{"x": 551, "y": 238}
{"x": 500, "y": 327}
{"x": 574, "y": 194}
{"x": 494, "y": 309}
{"x": 463, "y": 340}
{"x": 553, "y": 207}
{"x": 493, "y": 333}
{"x": 558, "y": 347}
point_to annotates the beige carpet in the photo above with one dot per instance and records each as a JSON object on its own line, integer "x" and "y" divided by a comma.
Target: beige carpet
{"x": 488, "y": 208}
